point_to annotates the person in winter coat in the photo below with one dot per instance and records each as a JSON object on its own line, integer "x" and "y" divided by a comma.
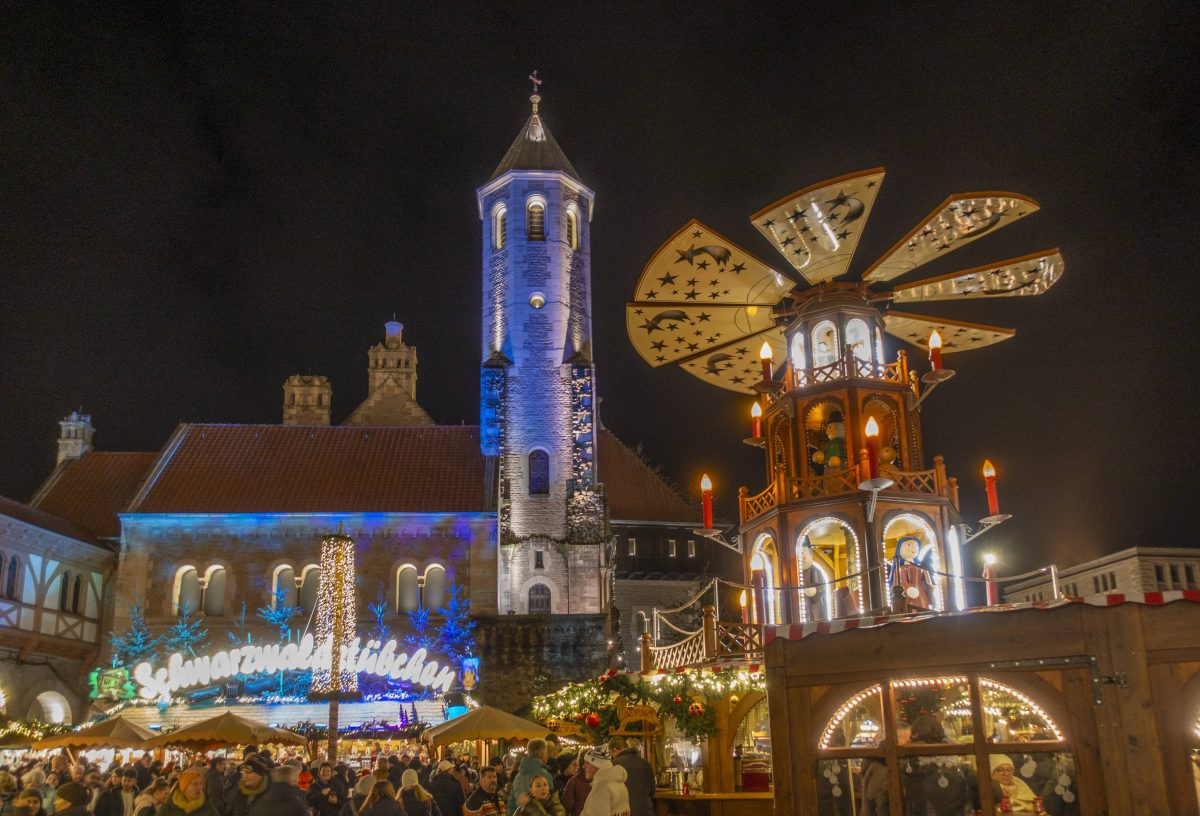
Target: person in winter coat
{"x": 253, "y": 784}
{"x": 326, "y": 795}
{"x": 283, "y": 796}
{"x": 414, "y": 799}
{"x": 446, "y": 789}
{"x": 187, "y": 797}
{"x": 113, "y": 801}
{"x": 354, "y": 803}
{"x": 214, "y": 784}
{"x": 485, "y": 799}
{"x": 382, "y": 801}
{"x": 578, "y": 787}
{"x": 568, "y": 765}
{"x": 149, "y": 800}
{"x": 542, "y": 800}
{"x": 639, "y": 776}
{"x": 534, "y": 764}
{"x": 71, "y": 799}
{"x": 608, "y": 796}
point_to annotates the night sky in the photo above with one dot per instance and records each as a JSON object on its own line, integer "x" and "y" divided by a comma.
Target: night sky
{"x": 195, "y": 204}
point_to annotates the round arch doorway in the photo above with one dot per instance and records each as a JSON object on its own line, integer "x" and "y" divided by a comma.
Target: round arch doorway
{"x": 51, "y": 707}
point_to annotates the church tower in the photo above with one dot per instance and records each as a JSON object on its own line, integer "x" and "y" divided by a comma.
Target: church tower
{"x": 75, "y": 437}
{"x": 537, "y": 425}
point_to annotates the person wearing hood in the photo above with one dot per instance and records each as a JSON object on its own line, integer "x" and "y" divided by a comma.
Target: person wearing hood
{"x": 446, "y": 789}
{"x": 150, "y": 800}
{"x": 533, "y": 764}
{"x": 414, "y": 799}
{"x": 71, "y": 799}
{"x": 362, "y": 789}
{"x": 575, "y": 792}
{"x": 608, "y": 796}
{"x": 187, "y": 797}
{"x": 639, "y": 776}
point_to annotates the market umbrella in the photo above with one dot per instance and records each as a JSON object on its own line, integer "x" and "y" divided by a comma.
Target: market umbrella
{"x": 484, "y": 723}
{"x": 224, "y": 731}
{"x": 116, "y": 732}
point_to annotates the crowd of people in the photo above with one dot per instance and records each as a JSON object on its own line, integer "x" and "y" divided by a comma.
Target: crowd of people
{"x": 606, "y": 780}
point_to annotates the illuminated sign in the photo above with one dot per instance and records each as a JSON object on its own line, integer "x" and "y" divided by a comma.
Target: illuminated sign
{"x": 381, "y": 660}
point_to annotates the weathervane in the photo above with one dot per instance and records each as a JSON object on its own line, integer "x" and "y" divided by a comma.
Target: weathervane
{"x": 536, "y": 97}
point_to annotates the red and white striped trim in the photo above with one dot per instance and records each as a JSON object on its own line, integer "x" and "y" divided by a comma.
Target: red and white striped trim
{"x": 799, "y": 631}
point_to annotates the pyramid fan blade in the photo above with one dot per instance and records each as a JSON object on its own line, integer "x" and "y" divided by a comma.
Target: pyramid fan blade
{"x": 737, "y": 365}
{"x": 957, "y": 222}
{"x": 664, "y": 332}
{"x": 1028, "y": 275}
{"x": 956, "y": 335}
{"x": 817, "y": 229}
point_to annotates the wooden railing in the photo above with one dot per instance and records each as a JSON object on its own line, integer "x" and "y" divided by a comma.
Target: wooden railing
{"x": 715, "y": 639}
{"x": 686, "y": 652}
{"x": 848, "y": 367}
{"x": 753, "y": 506}
{"x": 830, "y": 484}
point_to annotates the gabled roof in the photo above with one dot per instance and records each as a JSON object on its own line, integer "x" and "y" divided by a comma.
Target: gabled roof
{"x": 36, "y": 518}
{"x": 90, "y": 491}
{"x": 635, "y": 492}
{"x": 389, "y": 404}
{"x": 316, "y": 469}
{"x": 535, "y": 149}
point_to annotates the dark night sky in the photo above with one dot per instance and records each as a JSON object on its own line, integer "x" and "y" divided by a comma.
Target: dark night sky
{"x": 195, "y": 204}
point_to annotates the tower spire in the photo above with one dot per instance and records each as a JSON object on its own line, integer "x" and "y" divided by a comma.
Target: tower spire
{"x": 536, "y": 97}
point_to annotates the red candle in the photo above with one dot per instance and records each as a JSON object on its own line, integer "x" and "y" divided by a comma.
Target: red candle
{"x": 989, "y": 481}
{"x": 935, "y": 350}
{"x": 756, "y": 421}
{"x": 764, "y": 356}
{"x": 993, "y": 589}
{"x": 706, "y": 501}
{"x": 872, "y": 431}
{"x": 742, "y": 601}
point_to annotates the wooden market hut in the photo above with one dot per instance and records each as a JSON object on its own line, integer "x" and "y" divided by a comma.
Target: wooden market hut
{"x": 1092, "y": 703}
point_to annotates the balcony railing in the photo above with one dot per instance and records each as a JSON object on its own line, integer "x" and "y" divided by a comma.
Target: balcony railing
{"x": 846, "y": 368}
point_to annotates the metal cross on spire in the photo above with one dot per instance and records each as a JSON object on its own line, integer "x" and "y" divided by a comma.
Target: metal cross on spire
{"x": 536, "y": 97}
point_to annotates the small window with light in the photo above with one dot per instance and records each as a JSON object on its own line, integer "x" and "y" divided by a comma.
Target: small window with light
{"x": 573, "y": 226}
{"x": 499, "y": 226}
{"x": 535, "y": 219}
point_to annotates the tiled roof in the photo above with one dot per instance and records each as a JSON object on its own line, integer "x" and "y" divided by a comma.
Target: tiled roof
{"x": 309, "y": 469}
{"x": 92, "y": 490}
{"x": 635, "y": 492}
{"x": 27, "y": 514}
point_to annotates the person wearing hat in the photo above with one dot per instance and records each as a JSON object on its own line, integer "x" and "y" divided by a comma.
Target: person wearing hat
{"x": 1011, "y": 794}
{"x": 414, "y": 799}
{"x": 362, "y": 789}
{"x": 119, "y": 799}
{"x": 214, "y": 783}
{"x": 639, "y": 776}
{"x": 71, "y": 799}
{"x": 446, "y": 789}
{"x": 283, "y": 796}
{"x": 608, "y": 796}
{"x": 233, "y": 779}
{"x": 252, "y": 785}
{"x": 187, "y": 797}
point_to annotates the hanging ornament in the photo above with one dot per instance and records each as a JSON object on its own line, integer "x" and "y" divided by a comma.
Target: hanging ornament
{"x": 1068, "y": 797}
{"x": 695, "y": 709}
{"x": 1029, "y": 768}
{"x": 580, "y": 716}
{"x": 593, "y": 720}
{"x": 837, "y": 790}
{"x": 943, "y": 782}
{"x": 1064, "y": 780}
{"x": 677, "y": 700}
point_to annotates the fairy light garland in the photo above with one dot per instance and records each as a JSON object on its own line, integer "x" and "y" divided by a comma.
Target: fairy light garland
{"x": 335, "y": 620}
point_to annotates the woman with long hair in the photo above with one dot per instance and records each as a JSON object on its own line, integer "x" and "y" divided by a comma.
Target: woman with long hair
{"x": 381, "y": 801}
{"x": 415, "y": 800}
{"x": 150, "y": 800}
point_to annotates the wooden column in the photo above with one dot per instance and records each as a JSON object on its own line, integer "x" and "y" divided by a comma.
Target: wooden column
{"x": 710, "y": 631}
{"x": 647, "y": 656}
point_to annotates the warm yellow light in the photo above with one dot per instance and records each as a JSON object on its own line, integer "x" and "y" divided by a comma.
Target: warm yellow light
{"x": 742, "y": 599}
{"x": 756, "y": 411}
{"x": 872, "y": 427}
{"x": 765, "y": 352}
{"x": 706, "y": 483}
{"x": 935, "y": 340}
{"x": 989, "y": 559}
{"x": 751, "y": 311}
{"x": 989, "y": 470}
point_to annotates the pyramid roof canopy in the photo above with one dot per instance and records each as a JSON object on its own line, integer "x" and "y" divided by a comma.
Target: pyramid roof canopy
{"x": 535, "y": 149}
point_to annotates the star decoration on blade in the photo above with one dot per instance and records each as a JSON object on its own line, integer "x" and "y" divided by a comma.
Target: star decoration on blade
{"x": 742, "y": 301}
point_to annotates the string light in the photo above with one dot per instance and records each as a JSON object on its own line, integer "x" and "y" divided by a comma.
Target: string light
{"x": 336, "y": 616}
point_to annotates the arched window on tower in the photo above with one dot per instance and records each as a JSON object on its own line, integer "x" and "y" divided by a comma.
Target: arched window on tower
{"x": 187, "y": 590}
{"x": 10, "y": 579}
{"x": 214, "y": 591}
{"x": 539, "y": 472}
{"x": 539, "y": 599}
{"x": 408, "y": 597}
{"x": 573, "y": 226}
{"x": 858, "y": 339}
{"x": 435, "y": 587}
{"x": 825, "y": 344}
{"x": 535, "y": 219}
{"x": 64, "y": 591}
{"x": 310, "y": 586}
{"x": 283, "y": 587}
{"x": 499, "y": 226}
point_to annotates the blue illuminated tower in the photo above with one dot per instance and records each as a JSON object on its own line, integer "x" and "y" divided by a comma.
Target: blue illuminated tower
{"x": 537, "y": 424}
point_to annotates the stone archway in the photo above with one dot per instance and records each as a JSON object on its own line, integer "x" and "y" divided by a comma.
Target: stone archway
{"x": 50, "y": 706}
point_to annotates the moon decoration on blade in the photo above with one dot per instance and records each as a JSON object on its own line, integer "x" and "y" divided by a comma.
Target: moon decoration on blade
{"x": 706, "y": 304}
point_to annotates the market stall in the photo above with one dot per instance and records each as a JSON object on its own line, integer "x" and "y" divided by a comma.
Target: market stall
{"x": 483, "y": 726}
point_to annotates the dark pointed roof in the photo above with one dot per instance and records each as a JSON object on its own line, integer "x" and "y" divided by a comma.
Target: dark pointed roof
{"x": 535, "y": 149}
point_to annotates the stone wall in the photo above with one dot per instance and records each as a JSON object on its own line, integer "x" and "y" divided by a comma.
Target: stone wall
{"x": 524, "y": 655}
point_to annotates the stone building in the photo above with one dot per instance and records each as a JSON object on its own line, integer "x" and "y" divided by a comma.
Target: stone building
{"x": 1132, "y": 570}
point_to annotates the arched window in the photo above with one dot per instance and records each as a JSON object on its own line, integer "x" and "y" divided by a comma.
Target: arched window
{"x": 214, "y": 592}
{"x": 858, "y": 339}
{"x": 797, "y": 351}
{"x": 825, "y": 348}
{"x": 914, "y": 561}
{"x": 573, "y": 226}
{"x": 76, "y": 589}
{"x": 762, "y": 576}
{"x": 535, "y": 219}
{"x": 10, "y": 580}
{"x": 827, "y": 549}
{"x": 539, "y": 599}
{"x": 408, "y": 597}
{"x": 539, "y": 472}
{"x": 187, "y": 590}
{"x": 283, "y": 587}
{"x": 64, "y": 591}
{"x": 435, "y": 587}
{"x": 310, "y": 585}
{"x": 499, "y": 226}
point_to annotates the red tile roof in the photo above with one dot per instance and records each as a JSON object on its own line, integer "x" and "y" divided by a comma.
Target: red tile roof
{"x": 308, "y": 469}
{"x": 90, "y": 491}
{"x": 27, "y": 514}
{"x": 635, "y": 492}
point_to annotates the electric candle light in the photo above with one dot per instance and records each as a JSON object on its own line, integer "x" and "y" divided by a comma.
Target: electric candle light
{"x": 756, "y": 421}
{"x": 935, "y": 350}
{"x": 993, "y": 591}
{"x": 764, "y": 356}
{"x": 742, "y": 603}
{"x": 872, "y": 432}
{"x": 989, "y": 481}
{"x": 706, "y": 501}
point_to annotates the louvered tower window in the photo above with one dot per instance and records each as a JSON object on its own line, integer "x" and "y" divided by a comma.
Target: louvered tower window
{"x": 535, "y": 221}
